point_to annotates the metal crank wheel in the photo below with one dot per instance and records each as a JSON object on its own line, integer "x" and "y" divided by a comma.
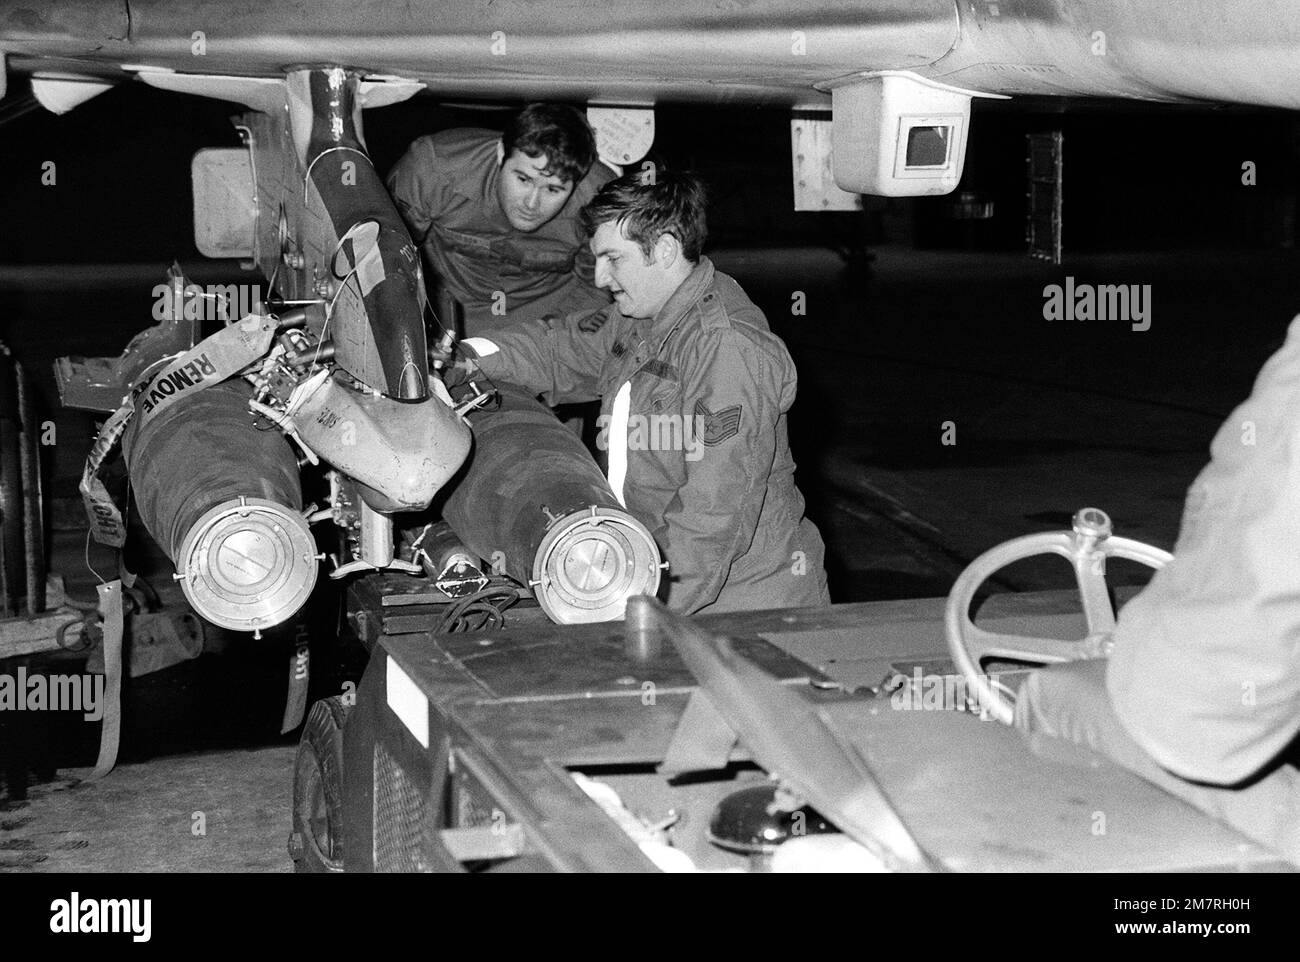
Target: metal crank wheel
{"x": 1086, "y": 548}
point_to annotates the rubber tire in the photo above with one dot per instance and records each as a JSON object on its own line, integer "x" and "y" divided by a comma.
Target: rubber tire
{"x": 316, "y": 843}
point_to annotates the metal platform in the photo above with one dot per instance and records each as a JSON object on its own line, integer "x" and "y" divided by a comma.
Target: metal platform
{"x": 476, "y": 728}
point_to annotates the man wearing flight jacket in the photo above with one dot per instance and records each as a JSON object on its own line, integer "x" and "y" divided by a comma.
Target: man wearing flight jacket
{"x": 694, "y": 391}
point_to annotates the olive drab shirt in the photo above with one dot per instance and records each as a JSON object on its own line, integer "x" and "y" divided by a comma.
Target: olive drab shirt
{"x": 693, "y": 425}
{"x": 445, "y": 187}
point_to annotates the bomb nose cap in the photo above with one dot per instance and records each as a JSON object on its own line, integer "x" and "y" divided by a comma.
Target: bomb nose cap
{"x": 248, "y": 564}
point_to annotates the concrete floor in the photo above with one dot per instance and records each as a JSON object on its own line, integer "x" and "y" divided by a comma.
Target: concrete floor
{"x": 210, "y": 812}
{"x": 1049, "y": 416}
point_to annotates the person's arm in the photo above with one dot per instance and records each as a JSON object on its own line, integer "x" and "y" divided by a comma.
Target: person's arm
{"x": 1205, "y": 674}
{"x": 418, "y": 184}
{"x": 558, "y": 357}
{"x": 733, "y": 401}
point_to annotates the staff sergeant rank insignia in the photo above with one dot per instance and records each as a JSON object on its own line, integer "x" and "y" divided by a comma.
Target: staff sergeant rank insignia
{"x": 720, "y": 425}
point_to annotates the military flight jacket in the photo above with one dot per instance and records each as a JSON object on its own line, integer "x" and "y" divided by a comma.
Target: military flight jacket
{"x": 445, "y": 187}
{"x": 709, "y": 381}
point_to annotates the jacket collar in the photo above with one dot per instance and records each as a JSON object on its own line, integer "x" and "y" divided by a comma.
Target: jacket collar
{"x": 687, "y": 295}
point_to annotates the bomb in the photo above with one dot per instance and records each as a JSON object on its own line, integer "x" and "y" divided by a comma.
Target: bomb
{"x": 223, "y": 499}
{"x": 534, "y": 501}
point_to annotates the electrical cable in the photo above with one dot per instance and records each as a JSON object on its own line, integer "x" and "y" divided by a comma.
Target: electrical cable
{"x": 482, "y": 611}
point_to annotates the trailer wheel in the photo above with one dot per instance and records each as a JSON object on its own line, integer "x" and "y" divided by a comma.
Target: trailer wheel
{"x": 316, "y": 843}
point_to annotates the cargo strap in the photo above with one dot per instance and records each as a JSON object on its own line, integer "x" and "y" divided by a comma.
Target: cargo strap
{"x": 110, "y": 611}
{"x": 209, "y": 362}
{"x": 106, "y": 523}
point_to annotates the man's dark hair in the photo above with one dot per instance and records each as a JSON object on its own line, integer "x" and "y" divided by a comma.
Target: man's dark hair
{"x": 559, "y": 132}
{"x": 646, "y": 207}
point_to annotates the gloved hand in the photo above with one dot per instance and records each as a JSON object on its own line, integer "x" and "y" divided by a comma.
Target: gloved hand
{"x": 454, "y": 362}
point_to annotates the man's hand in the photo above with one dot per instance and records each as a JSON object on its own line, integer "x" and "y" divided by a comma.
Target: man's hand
{"x": 460, "y": 371}
{"x": 454, "y": 363}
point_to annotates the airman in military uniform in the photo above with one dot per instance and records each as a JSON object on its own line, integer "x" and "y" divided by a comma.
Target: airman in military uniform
{"x": 694, "y": 391}
{"x": 497, "y": 215}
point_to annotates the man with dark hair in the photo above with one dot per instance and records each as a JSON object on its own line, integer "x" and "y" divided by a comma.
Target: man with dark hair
{"x": 694, "y": 392}
{"x": 497, "y": 215}
{"x": 676, "y": 208}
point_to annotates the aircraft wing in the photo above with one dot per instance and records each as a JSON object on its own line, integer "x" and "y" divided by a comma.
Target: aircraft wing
{"x": 623, "y": 51}
{"x": 724, "y": 51}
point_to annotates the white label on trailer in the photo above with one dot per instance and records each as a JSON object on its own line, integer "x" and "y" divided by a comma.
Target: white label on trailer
{"x": 408, "y": 702}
